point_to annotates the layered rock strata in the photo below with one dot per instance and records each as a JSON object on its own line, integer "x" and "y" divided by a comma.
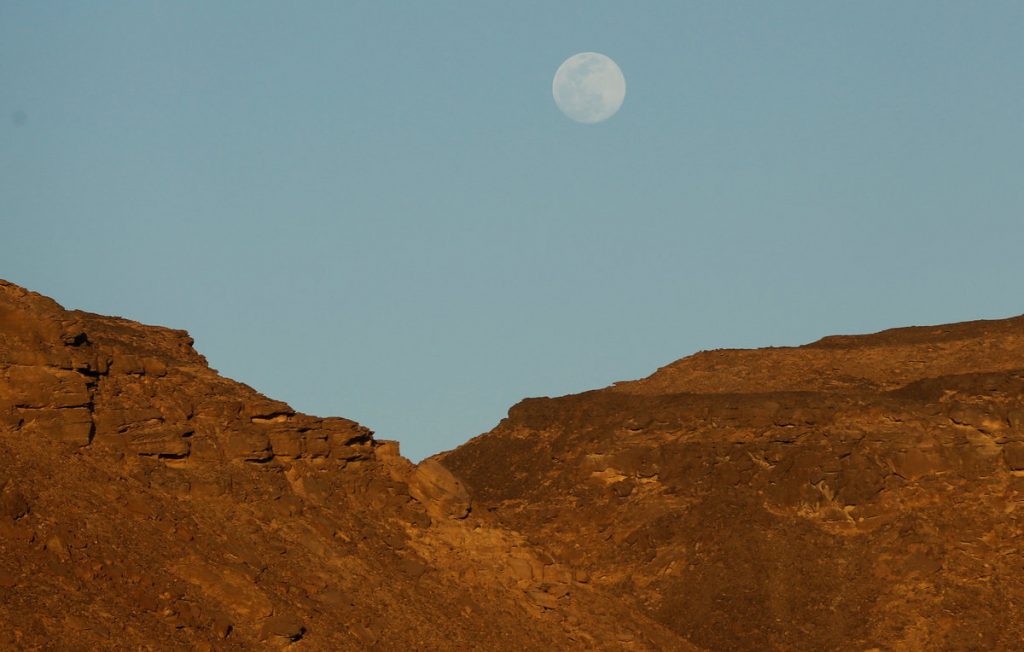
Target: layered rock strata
{"x": 858, "y": 493}
{"x": 146, "y": 502}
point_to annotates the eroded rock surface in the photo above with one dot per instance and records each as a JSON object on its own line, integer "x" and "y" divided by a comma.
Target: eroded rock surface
{"x": 858, "y": 493}
{"x": 146, "y": 502}
{"x": 861, "y": 492}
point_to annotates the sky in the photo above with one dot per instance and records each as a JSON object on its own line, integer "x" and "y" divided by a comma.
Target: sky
{"x": 376, "y": 210}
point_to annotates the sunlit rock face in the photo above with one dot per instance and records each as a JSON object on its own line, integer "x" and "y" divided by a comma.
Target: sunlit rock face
{"x": 114, "y": 384}
{"x": 146, "y": 502}
{"x": 856, "y": 493}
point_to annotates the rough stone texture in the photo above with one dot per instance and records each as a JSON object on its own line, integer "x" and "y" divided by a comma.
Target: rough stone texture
{"x": 858, "y": 493}
{"x": 435, "y": 486}
{"x": 146, "y": 502}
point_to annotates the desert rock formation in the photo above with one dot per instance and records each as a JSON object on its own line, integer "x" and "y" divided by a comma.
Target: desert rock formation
{"x": 146, "y": 502}
{"x": 857, "y": 493}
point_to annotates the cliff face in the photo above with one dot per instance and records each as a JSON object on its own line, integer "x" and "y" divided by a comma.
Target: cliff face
{"x": 856, "y": 493}
{"x": 146, "y": 502}
{"x": 860, "y": 492}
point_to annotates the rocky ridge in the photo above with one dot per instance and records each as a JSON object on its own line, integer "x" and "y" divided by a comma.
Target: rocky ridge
{"x": 146, "y": 502}
{"x": 859, "y": 492}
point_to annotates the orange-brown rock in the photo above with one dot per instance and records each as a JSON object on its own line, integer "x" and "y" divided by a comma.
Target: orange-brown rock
{"x": 440, "y": 491}
{"x": 858, "y": 493}
{"x": 146, "y": 502}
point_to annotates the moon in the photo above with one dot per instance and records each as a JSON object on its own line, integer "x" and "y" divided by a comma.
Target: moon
{"x": 589, "y": 87}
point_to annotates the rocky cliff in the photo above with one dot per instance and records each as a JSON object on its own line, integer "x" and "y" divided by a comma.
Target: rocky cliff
{"x": 146, "y": 502}
{"x": 858, "y": 493}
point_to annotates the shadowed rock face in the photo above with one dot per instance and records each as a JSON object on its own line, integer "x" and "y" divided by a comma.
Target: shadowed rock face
{"x": 856, "y": 493}
{"x": 146, "y": 502}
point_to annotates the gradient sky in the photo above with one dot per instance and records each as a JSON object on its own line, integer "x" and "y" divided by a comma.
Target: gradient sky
{"x": 375, "y": 209}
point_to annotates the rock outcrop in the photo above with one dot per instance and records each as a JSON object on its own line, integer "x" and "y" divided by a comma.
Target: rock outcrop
{"x": 857, "y": 493}
{"x": 146, "y": 502}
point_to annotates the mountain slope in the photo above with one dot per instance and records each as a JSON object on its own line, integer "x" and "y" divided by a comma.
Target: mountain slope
{"x": 860, "y": 492}
{"x": 146, "y": 502}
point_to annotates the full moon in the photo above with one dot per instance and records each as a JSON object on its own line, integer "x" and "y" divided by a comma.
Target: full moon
{"x": 589, "y": 87}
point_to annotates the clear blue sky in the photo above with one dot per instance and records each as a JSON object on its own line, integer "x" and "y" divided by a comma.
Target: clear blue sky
{"x": 375, "y": 209}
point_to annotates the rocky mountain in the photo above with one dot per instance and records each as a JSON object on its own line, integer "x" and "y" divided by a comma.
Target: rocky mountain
{"x": 860, "y": 493}
{"x": 146, "y": 502}
{"x": 857, "y": 493}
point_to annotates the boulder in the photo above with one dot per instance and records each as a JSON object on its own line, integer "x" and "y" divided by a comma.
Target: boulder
{"x": 441, "y": 493}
